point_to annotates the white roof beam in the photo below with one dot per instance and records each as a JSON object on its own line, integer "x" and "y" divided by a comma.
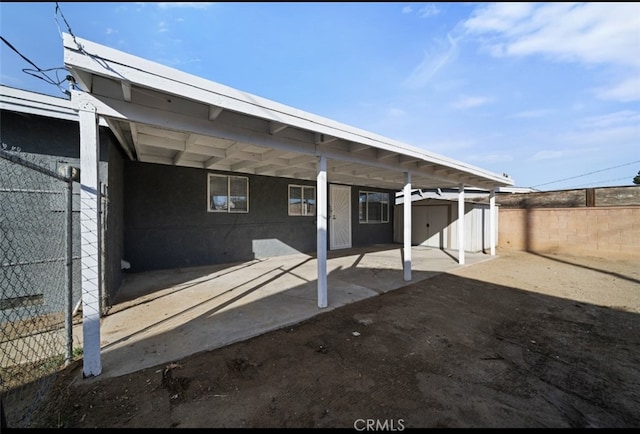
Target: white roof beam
{"x": 219, "y": 166}
{"x": 307, "y": 166}
{"x": 441, "y": 175}
{"x": 442, "y": 171}
{"x": 393, "y": 178}
{"x": 280, "y": 162}
{"x": 366, "y": 182}
{"x": 235, "y": 148}
{"x": 188, "y": 145}
{"x": 357, "y": 147}
{"x": 160, "y": 142}
{"x": 178, "y": 157}
{"x": 404, "y": 159}
{"x": 450, "y": 175}
{"x": 301, "y": 160}
{"x": 271, "y": 153}
{"x": 134, "y": 131}
{"x": 160, "y": 132}
{"x": 125, "y": 142}
{"x": 242, "y": 155}
{"x": 126, "y": 91}
{"x": 363, "y": 170}
{"x": 382, "y": 154}
{"x": 146, "y": 158}
{"x": 289, "y": 171}
{"x": 422, "y": 164}
{"x": 214, "y": 112}
{"x": 336, "y": 164}
{"x": 84, "y": 78}
{"x": 268, "y": 168}
{"x": 344, "y": 167}
{"x": 211, "y": 161}
{"x": 276, "y": 127}
{"x": 245, "y": 164}
{"x": 191, "y": 140}
{"x": 204, "y": 150}
{"x": 323, "y": 139}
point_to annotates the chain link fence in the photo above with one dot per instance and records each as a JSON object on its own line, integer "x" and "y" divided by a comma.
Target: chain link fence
{"x": 36, "y": 280}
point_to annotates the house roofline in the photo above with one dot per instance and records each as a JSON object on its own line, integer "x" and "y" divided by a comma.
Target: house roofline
{"x": 34, "y": 103}
{"x": 85, "y": 58}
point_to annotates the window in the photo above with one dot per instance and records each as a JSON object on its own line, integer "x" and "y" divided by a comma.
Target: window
{"x": 228, "y": 193}
{"x": 374, "y": 207}
{"x": 302, "y": 200}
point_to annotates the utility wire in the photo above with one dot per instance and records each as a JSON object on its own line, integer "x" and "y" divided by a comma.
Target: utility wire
{"x": 598, "y": 182}
{"x": 39, "y": 72}
{"x": 590, "y": 173}
{"x": 55, "y": 17}
{"x": 19, "y": 53}
{"x": 98, "y": 59}
{"x": 42, "y": 73}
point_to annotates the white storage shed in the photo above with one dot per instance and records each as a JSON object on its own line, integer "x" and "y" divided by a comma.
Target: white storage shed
{"x": 434, "y": 219}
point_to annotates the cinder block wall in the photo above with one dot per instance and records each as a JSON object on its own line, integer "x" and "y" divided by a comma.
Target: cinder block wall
{"x": 612, "y": 232}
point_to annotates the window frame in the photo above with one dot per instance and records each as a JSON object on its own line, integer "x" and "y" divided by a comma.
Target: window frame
{"x": 227, "y": 210}
{"x": 366, "y": 221}
{"x": 302, "y": 188}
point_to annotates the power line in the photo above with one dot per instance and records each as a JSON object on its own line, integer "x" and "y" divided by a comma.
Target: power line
{"x": 586, "y": 174}
{"x": 599, "y": 182}
{"x": 98, "y": 59}
{"x": 42, "y": 72}
{"x": 55, "y": 17}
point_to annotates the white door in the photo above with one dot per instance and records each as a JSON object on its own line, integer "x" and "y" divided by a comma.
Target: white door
{"x": 340, "y": 217}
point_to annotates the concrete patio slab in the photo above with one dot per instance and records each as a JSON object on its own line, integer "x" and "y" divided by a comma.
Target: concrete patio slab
{"x": 164, "y": 316}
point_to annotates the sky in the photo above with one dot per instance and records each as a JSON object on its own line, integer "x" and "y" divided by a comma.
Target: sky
{"x": 547, "y": 93}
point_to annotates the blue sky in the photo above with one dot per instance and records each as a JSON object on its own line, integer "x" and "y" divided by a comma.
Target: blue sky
{"x": 548, "y": 93}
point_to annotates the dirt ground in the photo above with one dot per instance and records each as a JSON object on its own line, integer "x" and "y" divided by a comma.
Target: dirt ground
{"x": 522, "y": 340}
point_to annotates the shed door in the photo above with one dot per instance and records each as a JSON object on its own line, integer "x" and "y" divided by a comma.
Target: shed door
{"x": 429, "y": 226}
{"x": 340, "y": 217}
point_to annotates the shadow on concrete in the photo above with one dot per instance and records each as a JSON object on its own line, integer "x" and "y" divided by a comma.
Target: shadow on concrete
{"x": 210, "y": 307}
{"x": 244, "y": 293}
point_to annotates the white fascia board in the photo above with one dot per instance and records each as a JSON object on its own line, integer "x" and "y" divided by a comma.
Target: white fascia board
{"x": 515, "y": 190}
{"x": 23, "y": 101}
{"x": 105, "y": 61}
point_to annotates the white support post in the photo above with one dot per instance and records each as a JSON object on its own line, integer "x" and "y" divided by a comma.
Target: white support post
{"x": 407, "y": 226}
{"x": 90, "y": 236}
{"x": 321, "y": 250}
{"x": 492, "y": 221}
{"x": 461, "y": 224}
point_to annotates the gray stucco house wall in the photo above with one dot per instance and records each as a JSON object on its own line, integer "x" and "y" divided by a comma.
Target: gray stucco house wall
{"x": 167, "y": 224}
{"x": 155, "y": 216}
